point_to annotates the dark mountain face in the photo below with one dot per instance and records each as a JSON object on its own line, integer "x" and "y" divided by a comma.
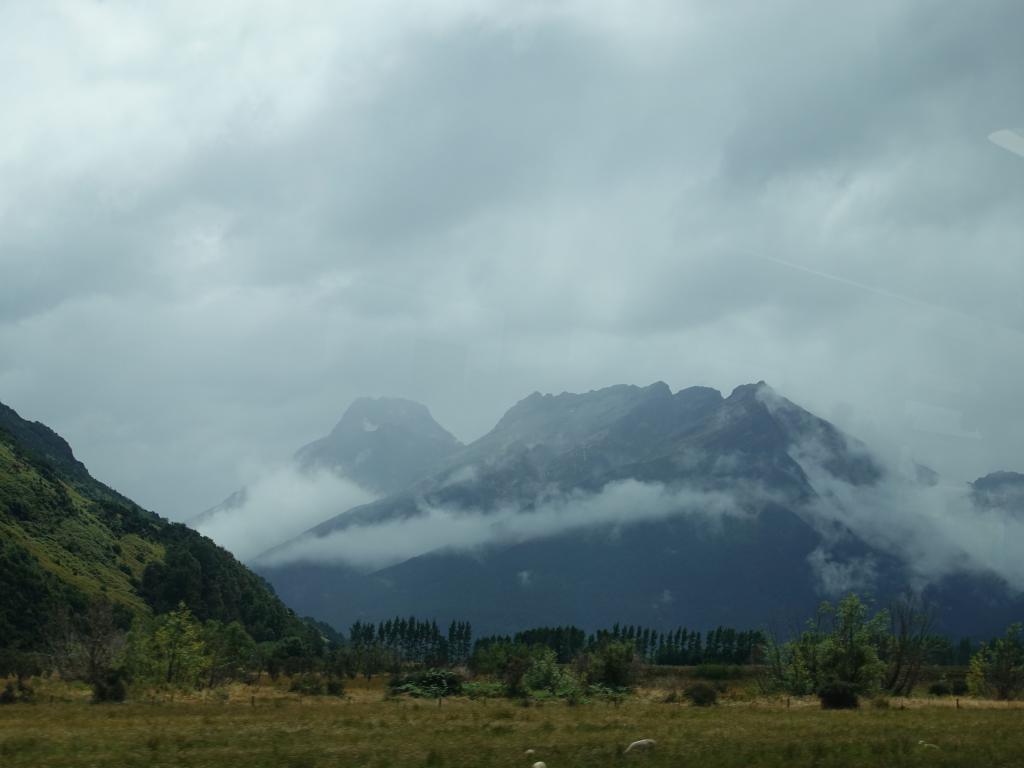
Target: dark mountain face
{"x": 762, "y": 560}
{"x": 382, "y": 444}
{"x": 645, "y": 506}
{"x": 1000, "y": 490}
{"x": 67, "y": 539}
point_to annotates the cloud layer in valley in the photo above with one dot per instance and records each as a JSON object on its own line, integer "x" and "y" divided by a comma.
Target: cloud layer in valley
{"x": 283, "y": 503}
{"x": 935, "y": 529}
{"x": 437, "y": 529}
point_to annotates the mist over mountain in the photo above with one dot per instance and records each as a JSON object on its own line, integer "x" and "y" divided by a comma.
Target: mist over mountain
{"x": 380, "y": 446}
{"x": 659, "y": 507}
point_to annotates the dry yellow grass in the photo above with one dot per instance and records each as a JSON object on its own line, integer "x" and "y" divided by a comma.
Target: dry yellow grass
{"x": 283, "y": 730}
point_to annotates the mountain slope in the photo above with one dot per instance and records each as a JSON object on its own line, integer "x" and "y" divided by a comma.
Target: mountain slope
{"x": 553, "y": 457}
{"x": 382, "y": 444}
{"x": 642, "y": 505}
{"x": 67, "y": 539}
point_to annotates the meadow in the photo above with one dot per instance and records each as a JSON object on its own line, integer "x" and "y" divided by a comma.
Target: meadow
{"x": 267, "y": 726}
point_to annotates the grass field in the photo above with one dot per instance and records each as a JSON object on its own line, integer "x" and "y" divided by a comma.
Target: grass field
{"x": 364, "y": 729}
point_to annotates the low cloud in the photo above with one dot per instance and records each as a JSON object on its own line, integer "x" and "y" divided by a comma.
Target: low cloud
{"x": 936, "y": 530}
{"x": 283, "y": 503}
{"x": 440, "y": 528}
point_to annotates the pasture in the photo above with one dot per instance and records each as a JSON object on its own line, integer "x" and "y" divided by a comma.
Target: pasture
{"x": 252, "y": 728}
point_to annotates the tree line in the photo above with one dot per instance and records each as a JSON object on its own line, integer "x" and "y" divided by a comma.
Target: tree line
{"x": 679, "y": 647}
{"x": 846, "y": 652}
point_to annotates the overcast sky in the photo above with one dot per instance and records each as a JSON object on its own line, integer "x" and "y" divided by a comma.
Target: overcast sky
{"x": 221, "y": 222}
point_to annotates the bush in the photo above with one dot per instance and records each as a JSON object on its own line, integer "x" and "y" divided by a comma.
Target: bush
{"x": 997, "y": 669}
{"x": 702, "y": 695}
{"x": 429, "y": 683}
{"x": 335, "y": 686}
{"x": 543, "y": 673}
{"x": 940, "y": 688}
{"x": 880, "y": 702}
{"x": 20, "y": 692}
{"x": 838, "y": 695}
{"x": 307, "y": 684}
{"x": 615, "y": 665}
{"x": 959, "y": 686}
{"x": 110, "y": 687}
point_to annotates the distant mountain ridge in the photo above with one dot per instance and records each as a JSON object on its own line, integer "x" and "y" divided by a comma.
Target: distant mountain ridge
{"x": 769, "y": 560}
{"x": 381, "y": 444}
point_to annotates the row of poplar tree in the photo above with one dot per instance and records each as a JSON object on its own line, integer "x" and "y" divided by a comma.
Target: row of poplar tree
{"x": 681, "y": 646}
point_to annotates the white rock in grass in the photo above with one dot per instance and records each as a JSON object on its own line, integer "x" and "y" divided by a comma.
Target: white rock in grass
{"x": 642, "y": 745}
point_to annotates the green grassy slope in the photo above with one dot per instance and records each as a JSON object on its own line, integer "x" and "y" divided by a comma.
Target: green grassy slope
{"x": 67, "y": 539}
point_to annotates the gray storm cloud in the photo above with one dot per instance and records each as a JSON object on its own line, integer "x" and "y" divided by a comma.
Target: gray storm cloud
{"x": 220, "y": 223}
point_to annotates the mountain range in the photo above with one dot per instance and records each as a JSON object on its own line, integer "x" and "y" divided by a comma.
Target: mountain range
{"x": 627, "y": 504}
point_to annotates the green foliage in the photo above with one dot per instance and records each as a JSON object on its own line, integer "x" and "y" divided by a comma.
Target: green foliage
{"x": 67, "y": 540}
{"x": 308, "y": 684}
{"x": 614, "y": 664}
{"x": 230, "y": 649}
{"x": 940, "y": 688}
{"x": 835, "y": 657}
{"x": 543, "y": 674}
{"x": 168, "y": 651}
{"x": 505, "y": 660}
{"x": 997, "y": 669}
{"x": 429, "y": 683}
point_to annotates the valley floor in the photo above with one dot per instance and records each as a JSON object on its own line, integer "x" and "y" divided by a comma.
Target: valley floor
{"x": 364, "y": 729}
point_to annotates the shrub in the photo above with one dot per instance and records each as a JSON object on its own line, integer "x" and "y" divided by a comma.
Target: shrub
{"x": 429, "y": 683}
{"x": 20, "y": 692}
{"x": 335, "y": 686}
{"x": 997, "y": 669}
{"x": 307, "y": 684}
{"x": 702, "y": 695}
{"x": 110, "y": 687}
{"x": 940, "y": 688}
{"x": 615, "y": 665}
{"x": 880, "y": 702}
{"x": 543, "y": 673}
{"x": 838, "y": 695}
{"x": 959, "y": 686}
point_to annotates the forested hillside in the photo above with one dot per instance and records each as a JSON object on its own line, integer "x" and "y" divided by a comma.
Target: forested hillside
{"x": 67, "y": 540}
